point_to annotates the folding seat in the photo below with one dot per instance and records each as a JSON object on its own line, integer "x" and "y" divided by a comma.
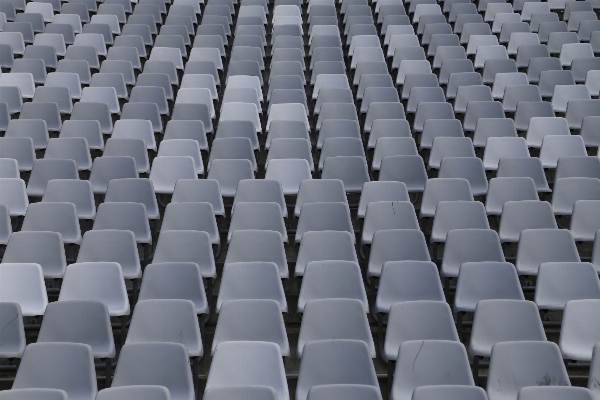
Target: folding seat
{"x": 459, "y": 79}
{"x": 578, "y": 282}
{"x": 466, "y": 94}
{"x": 537, "y": 246}
{"x": 437, "y": 356}
{"x": 513, "y": 94}
{"x": 20, "y": 149}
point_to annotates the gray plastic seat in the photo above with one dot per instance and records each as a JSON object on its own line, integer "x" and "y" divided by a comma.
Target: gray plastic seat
{"x": 569, "y": 190}
{"x": 13, "y": 340}
{"x": 166, "y": 321}
{"x": 435, "y": 366}
{"x": 49, "y": 251}
{"x": 438, "y": 324}
{"x": 348, "y": 358}
{"x": 538, "y": 246}
{"x": 62, "y": 325}
{"x": 231, "y": 359}
{"x": 539, "y": 360}
{"x": 175, "y": 246}
{"x": 78, "y": 192}
{"x": 55, "y": 217}
{"x": 238, "y": 323}
{"x": 93, "y": 111}
{"x": 138, "y": 392}
{"x": 45, "y": 170}
{"x": 552, "y": 392}
{"x": 577, "y": 281}
{"x": 469, "y": 245}
{"x": 20, "y": 149}
{"x": 251, "y": 280}
{"x": 70, "y": 148}
{"x": 451, "y": 215}
{"x": 107, "y": 168}
{"x": 72, "y": 368}
{"x": 504, "y": 320}
{"x": 165, "y": 364}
